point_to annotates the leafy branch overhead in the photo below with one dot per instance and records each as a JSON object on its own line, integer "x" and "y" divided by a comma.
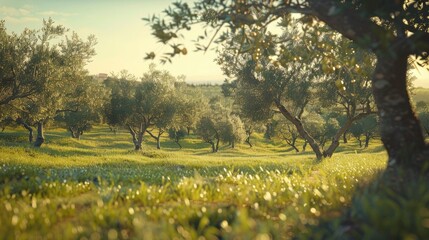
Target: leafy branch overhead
{"x": 222, "y": 19}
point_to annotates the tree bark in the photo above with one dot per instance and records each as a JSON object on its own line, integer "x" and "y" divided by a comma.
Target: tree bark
{"x": 40, "y": 139}
{"x": 292, "y": 142}
{"x": 28, "y": 127}
{"x": 213, "y": 146}
{"x": 345, "y": 137}
{"x": 268, "y": 130}
{"x": 156, "y": 137}
{"x": 248, "y": 141}
{"x": 217, "y": 142}
{"x": 158, "y": 143}
{"x": 294, "y": 147}
{"x": 248, "y": 134}
{"x": 137, "y": 137}
{"x": 367, "y": 137}
{"x": 400, "y": 130}
{"x": 399, "y": 127}
{"x": 336, "y": 139}
{"x": 360, "y": 141}
{"x": 74, "y": 133}
{"x": 177, "y": 142}
{"x": 294, "y": 138}
{"x": 301, "y": 130}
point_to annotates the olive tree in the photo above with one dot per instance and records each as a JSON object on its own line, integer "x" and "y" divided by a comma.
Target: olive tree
{"x": 20, "y": 57}
{"x": 366, "y": 127}
{"x": 139, "y": 106}
{"x": 286, "y": 131}
{"x": 168, "y": 109}
{"x": 120, "y": 101}
{"x": 177, "y": 134}
{"x": 91, "y": 98}
{"x": 395, "y": 31}
{"x": 232, "y": 130}
{"x": 42, "y": 72}
{"x": 209, "y": 133}
{"x": 293, "y": 82}
{"x": 220, "y": 124}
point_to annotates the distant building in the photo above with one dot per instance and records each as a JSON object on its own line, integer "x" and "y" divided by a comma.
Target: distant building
{"x": 100, "y": 77}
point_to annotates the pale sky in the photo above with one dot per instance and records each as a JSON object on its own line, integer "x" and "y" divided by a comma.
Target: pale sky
{"x": 123, "y": 38}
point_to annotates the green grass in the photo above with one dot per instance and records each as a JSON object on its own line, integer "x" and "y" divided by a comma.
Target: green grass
{"x": 99, "y": 188}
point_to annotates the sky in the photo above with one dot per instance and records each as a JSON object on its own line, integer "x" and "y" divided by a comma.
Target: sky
{"x": 123, "y": 38}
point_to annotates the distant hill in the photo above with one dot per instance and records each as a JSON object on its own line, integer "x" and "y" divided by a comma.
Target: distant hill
{"x": 208, "y": 90}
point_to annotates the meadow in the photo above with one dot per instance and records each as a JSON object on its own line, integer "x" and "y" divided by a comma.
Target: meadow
{"x": 100, "y": 188}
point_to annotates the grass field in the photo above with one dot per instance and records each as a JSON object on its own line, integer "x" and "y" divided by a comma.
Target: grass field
{"x": 99, "y": 188}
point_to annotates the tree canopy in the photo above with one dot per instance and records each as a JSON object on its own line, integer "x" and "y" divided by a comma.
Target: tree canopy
{"x": 395, "y": 31}
{"x": 41, "y": 72}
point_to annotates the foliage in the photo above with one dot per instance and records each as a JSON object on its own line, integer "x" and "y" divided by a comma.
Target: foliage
{"x": 139, "y": 106}
{"x": 367, "y": 127}
{"x": 120, "y": 104}
{"x": 42, "y": 72}
{"x": 286, "y": 131}
{"x": 396, "y": 32}
{"x": 207, "y": 130}
{"x": 232, "y": 130}
{"x": 91, "y": 97}
{"x": 302, "y": 78}
{"x": 192, "y": 105}
{"x": 177, "y": 135}
{"x": 220, "y": 123}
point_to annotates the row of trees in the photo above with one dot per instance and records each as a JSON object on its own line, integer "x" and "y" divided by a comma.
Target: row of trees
{"x": 317, "y": 93}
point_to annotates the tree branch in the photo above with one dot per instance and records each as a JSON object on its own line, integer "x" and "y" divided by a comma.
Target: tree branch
{"x": 351, "y": 24}
{"x": 152, "y": 135}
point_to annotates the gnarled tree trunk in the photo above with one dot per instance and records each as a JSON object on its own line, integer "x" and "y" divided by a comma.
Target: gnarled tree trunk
{"x": 248, "y": 141}
{"x": 367, "y": 137}
{"x": 400, "y": 130}
{"x": 399, "y": 127}
{"x": 317, "y": 148}
{"x": 292, "y": 142}
{"x": 336, "y": 139}
{"x": 301, "y": 130}
{"x": 156, "y": 137}
{"x": 40, "y": 139}
{"x": 345, "y": 137}
{"x": 137, "y": 137}
{"x": 213, "y": 146}
{"x": 28, "y": 127}
{"x": 75, "y": 133}
{"x": 217, "y": 142}
{"x": 177, "y": 142}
